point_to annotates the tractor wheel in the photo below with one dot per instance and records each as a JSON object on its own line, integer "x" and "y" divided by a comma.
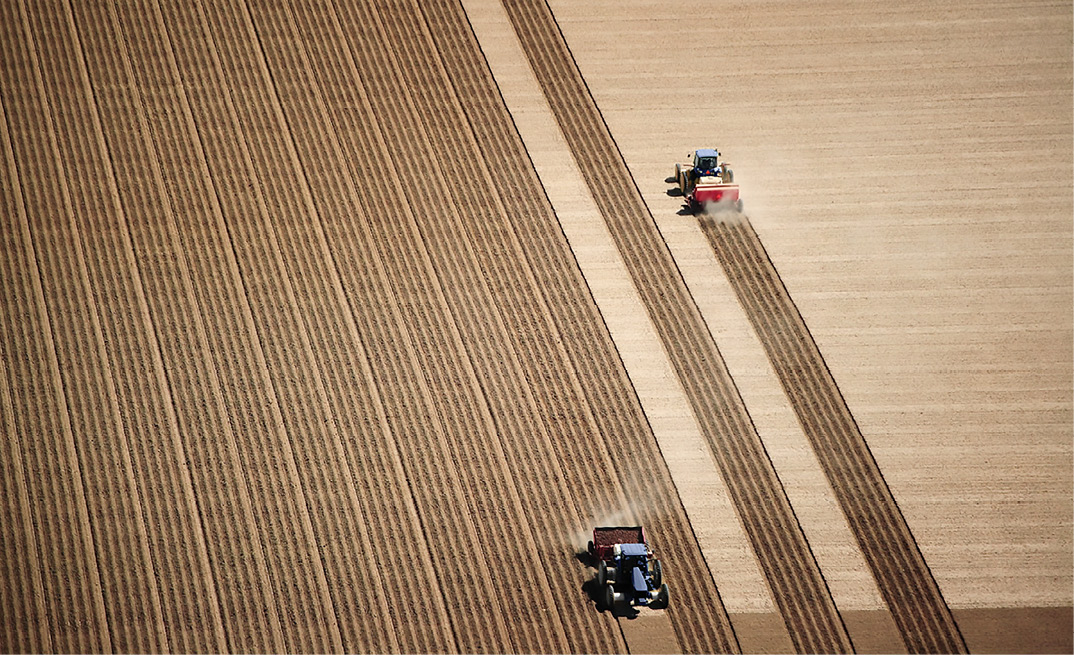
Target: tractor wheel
{"x": 602, "y": 574}
{"x": 658, "y": 573}
{"x": 607, "y": 597}
{"x": 663, "y": 597}
{"x": 730, "y": 176}
{"x": 738, "y": 205}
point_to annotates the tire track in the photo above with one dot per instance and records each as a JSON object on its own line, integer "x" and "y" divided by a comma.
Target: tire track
{"x": 334, "y": 338}
{"x": 902, "y": 574}
{"x": 796, "y": 582}
{"x": 72, "y": 583}
{"x": 338, "y": 514}
{"x": 593, "y": 370}
{"x": 235, "y": 550}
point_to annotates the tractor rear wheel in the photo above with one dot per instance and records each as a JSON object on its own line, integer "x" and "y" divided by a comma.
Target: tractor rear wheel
{"x": 658, "y": 573}
{"x": 607, "y": 597}
{"x": 602, "y": 574}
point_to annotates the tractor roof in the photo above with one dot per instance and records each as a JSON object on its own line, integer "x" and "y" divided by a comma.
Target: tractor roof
{"x": 633, "y": 550}
{"x": 707, "y": 152}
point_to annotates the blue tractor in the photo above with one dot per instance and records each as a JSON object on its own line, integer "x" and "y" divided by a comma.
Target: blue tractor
{"x": 627, "y": 572}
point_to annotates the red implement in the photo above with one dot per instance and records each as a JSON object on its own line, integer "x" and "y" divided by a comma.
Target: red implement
{"x": 605, "y": 538}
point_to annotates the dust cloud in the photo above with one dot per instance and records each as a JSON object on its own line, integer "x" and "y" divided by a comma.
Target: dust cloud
{"x": 631, "y": 513}
{"x": 721, "y": 213}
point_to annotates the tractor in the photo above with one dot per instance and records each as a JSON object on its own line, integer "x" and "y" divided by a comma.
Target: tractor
{"x": 706, "y": 182}
{"x": 627, "y": 571}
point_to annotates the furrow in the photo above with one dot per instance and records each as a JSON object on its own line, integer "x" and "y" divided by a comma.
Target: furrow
{"x": 819, "y": 420}
{"x": 519, "y": 407}
{"x": 399, "y": 377}
{"x": 22, "y": 603}
{"x": 120, "y": 532}
{"x": 700, "y": 620}
{"x": 796, "y": 582}
{"x": 882, "y": 533}
{"x": 336, "y": 512}
{"x": 334, "y": 340}
{"x": 457, "y": 395}
{"x": 357, "y": 234}
{"x": 167, "y": 504}
{"x": 757, "y": 303}
{"x": 73, "y": 586}
{"x": 296, "y": 574}
{"x": 235, "y": 550}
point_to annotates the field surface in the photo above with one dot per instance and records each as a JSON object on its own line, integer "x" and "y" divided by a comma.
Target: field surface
{"x": 336, "y": 326}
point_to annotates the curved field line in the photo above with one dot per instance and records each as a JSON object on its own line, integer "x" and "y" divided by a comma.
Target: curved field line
{"x": 901, "y": 572}
{"x": 792, "y": 572}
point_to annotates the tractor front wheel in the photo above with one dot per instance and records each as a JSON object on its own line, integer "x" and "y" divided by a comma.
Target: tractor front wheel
{"x": 663, "y": 597}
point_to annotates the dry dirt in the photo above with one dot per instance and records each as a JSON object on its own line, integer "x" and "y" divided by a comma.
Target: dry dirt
{"x": 335, "y": 326}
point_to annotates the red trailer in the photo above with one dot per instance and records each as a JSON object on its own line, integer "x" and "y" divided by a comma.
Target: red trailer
{"x": 605, "y": 538}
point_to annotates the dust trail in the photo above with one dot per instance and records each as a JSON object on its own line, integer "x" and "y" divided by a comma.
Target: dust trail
{"x": 721, "y": 213}
{"x": 630, "y": 513}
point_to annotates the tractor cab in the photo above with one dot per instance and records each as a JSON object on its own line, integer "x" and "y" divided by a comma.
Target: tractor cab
{"x": 706, "y": 182}
{"x": 706, "y": 161}
{"x": 635, "y": 559}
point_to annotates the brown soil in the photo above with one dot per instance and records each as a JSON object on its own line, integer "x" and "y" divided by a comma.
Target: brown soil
{"x": 300, "y": 352}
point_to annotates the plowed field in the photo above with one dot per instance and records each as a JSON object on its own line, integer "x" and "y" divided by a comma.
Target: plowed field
{"x": 335, "y": 326}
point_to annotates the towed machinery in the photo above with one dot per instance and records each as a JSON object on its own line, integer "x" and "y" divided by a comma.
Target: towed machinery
{"x": 627, "y": 571}
{"x": 707, "y": 182}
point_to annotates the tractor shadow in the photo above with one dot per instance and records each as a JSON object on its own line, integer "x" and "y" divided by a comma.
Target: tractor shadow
{"x": 676, "y": 192}
{"x": 591, "y": 590}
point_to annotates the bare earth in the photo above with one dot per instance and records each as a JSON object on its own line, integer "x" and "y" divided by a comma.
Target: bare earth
{"x": 336, "y": 326}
